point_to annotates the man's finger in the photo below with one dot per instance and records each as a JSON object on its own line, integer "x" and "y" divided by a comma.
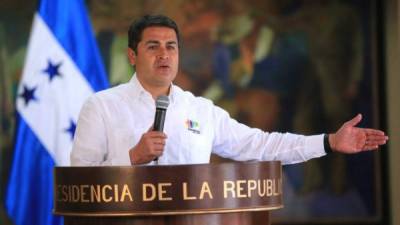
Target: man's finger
{"x": 156, "y": 134}
{"x": 374, "y": 132}
{"x": 353, "y": 122}
{"x": 376, "y": 138}
{"x": 157, "y": 151}
{"x": 158, "y": 144}
{"x": 370, "y": 147}
{"x": 375, "y": 142}
{"x": 159, "y": 141}
{"x": 158, "y": 148}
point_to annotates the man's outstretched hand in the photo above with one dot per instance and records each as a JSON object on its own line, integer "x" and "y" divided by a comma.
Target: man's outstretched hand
{"x": 351, "y": 139}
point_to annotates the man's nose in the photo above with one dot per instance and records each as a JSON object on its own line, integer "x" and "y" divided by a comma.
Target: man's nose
{"x": 162, "y": 53}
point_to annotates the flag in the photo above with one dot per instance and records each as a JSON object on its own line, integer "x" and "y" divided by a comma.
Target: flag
{"x": 62, "y": 68}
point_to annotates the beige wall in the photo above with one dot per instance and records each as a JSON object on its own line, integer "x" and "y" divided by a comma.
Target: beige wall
{"x": 392, "y": 25}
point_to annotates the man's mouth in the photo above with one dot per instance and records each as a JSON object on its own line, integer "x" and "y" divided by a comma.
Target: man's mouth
{"x": 163, "y": 66}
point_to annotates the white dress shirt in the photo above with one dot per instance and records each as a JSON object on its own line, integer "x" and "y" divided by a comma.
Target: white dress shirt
{"x": 112, "y": 121}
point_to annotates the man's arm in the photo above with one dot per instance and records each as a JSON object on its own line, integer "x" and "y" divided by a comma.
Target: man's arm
{"x": 239, "y": 142}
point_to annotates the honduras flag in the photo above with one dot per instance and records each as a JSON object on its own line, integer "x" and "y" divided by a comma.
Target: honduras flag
{"x": 62, "y": 68}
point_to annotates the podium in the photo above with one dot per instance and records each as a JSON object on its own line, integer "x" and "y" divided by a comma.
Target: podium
{"x": 227, "y": 193}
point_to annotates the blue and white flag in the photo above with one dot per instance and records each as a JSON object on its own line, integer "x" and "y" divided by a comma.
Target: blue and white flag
{"x": 62, "y": 68}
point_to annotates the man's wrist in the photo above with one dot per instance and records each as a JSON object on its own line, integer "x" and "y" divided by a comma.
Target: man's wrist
{"x": 327, "y": 145}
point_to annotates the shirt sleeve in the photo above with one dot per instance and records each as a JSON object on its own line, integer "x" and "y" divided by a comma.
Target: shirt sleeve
{"x": 90, "y": 142}
{"x": 240, "y": 142}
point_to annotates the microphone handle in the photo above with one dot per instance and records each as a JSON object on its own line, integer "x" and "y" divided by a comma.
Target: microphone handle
{"x": 159, "y": 122}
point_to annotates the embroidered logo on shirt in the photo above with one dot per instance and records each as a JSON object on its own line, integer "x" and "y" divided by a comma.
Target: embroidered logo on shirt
{"x": 193, "y": 126}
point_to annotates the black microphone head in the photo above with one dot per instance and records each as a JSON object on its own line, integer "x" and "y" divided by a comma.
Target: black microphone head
{"x": 162, "y": 102}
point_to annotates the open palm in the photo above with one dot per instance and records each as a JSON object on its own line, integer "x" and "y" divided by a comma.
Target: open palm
{"x": 352, "y": 139}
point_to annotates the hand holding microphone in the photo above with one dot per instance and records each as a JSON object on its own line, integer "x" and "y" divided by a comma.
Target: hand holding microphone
{"x": 151, "y": 144}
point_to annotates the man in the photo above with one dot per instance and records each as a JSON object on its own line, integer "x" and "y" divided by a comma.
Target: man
{"x": 115, "y": 126}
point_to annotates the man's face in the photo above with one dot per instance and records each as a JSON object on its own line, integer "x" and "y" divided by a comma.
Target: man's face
{"x": 157, "y": 57}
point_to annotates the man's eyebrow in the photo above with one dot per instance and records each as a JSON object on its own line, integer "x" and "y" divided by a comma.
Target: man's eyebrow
{"x": 172, "y": 43}
{"x": 152, "y": 42}
{"x": 149, "y": 42}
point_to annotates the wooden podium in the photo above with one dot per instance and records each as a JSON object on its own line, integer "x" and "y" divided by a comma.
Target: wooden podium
{"x": 226, "y": 193}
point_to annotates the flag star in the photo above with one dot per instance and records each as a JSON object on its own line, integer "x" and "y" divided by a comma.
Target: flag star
{"x": 28, "y": 94}
{"x": 71, "y": 129}
{"x": 52, "y": 70}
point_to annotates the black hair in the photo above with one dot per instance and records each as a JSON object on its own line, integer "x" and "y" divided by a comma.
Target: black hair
{"x": 137, "y": 27}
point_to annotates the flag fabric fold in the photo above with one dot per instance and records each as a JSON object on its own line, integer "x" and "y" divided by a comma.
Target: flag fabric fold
{"x": 62, "y": 68}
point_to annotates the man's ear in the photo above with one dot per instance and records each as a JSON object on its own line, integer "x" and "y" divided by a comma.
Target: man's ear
{"x": 131, "y": 56}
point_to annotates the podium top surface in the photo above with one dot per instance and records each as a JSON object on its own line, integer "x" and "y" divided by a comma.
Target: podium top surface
{"x": 168, "y": 190}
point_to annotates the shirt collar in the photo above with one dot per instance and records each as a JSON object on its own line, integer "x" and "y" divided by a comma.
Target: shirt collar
{"x": 140, "y": 92}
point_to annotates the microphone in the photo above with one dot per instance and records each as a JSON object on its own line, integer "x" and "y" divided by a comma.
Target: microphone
{"x": 162, "y": 103}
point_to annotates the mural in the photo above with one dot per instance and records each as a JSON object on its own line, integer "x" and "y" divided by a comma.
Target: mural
{"x": 290, "y": 66}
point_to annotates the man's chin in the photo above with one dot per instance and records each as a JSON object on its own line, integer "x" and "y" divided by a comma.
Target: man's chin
{"x": 164, "y": 79}
{"x": 165, "y": 74}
